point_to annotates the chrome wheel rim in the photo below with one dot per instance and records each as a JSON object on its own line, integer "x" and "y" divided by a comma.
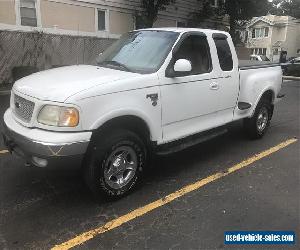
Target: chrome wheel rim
{"x": 120, "y": 167}
{"x": 262, "y": 119}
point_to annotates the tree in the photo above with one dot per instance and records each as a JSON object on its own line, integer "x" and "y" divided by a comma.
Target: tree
{"x": 150, "y": 9}
{"x": 205, "y": 12}
{"x": 286, "y": 8}
{"x": 238, "y": 11}
{"x": 243, "y": 10}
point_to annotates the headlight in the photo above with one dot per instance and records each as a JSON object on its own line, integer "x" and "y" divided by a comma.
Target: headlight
{"x": 59, "y": 116}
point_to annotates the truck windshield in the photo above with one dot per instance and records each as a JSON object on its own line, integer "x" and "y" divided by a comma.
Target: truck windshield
{"x": 139, "y": 51}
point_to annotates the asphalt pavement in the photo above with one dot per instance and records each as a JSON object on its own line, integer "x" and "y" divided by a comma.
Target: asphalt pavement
{"x": 41, "y": 208}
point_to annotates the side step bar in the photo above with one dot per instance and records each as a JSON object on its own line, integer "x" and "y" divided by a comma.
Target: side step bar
{"x": 190, "y": 141}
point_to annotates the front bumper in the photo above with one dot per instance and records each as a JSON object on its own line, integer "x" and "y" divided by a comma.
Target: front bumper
{"x": 44, "y": 148}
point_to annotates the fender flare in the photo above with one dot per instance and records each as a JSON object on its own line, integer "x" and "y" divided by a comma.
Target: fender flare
{"x": 127, "y": 112}
{"x": 265, "y": 90}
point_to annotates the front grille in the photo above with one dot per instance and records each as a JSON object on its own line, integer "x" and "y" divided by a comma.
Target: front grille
{"x": 23, "y": 108}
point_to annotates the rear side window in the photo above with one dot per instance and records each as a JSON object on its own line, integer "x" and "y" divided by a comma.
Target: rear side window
{"x": 224, "y": 53}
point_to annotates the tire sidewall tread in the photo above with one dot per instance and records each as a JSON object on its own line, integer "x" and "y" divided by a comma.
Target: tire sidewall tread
{"x": 250, "y": 124}
{"x": 104, "y": 144}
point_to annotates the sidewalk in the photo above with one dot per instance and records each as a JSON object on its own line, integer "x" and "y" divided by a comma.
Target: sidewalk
{"x": 292, "y": 78}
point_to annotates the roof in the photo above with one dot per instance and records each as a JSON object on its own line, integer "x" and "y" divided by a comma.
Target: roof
{"x": 272, "y": 20}
{"x": 258, "y": 19}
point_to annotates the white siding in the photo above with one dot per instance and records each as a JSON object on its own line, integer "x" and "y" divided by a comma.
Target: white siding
{"x": 181, "y": 9}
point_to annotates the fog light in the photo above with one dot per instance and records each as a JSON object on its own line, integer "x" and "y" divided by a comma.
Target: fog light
{"x": 39, "y": 162}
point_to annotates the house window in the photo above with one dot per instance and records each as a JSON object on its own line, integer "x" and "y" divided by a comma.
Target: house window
{"x": 266, "y": 31}
{"x": 253, "y": 33}
{"x": 101, "y": 20}
{"x": 28, "y": 13}
{"x": 260, "y": 32}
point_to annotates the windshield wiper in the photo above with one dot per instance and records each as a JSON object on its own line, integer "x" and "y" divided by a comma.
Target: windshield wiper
{"x": 115, "y": 63}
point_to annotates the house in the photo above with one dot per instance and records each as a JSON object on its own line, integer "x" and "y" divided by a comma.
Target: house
{"x": 272, "y": 35}
{"x": 42, "y": 34}
{"x": 101, "y": 18}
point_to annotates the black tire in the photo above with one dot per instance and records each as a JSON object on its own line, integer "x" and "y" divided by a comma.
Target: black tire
{"x": 251, "y": 125}
{"x": 100, "y": 156}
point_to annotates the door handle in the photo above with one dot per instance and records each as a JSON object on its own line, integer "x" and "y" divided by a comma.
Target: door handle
{"x": 214, "y": 86}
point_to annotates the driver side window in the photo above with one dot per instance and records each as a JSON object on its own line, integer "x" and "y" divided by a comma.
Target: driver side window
{"x": 195, "y": 48}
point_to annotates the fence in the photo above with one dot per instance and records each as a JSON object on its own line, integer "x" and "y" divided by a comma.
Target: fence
{"x": 45, "y": 51}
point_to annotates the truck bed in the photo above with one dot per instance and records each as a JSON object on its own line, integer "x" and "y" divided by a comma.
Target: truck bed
{"x": 249, "y": 64}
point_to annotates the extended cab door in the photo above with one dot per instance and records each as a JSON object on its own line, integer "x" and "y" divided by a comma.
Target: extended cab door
{"x": 227, "y": 75}
{"x": 197, "y": 101}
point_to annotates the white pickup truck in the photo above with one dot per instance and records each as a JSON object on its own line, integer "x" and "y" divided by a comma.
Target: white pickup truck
{"x": 153, "y": 91}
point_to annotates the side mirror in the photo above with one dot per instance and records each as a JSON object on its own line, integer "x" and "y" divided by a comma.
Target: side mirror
{"x": 182, "y": 66}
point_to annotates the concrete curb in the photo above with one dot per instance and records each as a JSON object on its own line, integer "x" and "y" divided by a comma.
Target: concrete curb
{"x": 294, "y": 78}
{"x": 5, "y": 92}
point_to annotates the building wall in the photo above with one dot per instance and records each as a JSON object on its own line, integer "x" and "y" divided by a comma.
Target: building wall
{"x": 120, "y": 23}
{"x": 292, "y": 41}
{"x": 7, "y": 11}
{"x": 162, "y": 22}
{"x": 278, "y": 34}
{"x": 67, "y": 16}
{"x": 261, "y": 42}
{"x": 71, "y": 16}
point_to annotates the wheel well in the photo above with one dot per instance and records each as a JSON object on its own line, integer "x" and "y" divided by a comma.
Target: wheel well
{"x": 129, "y": 122}
{"x": 268, "y": 95}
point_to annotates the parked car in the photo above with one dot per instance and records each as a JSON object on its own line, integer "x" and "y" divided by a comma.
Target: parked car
{"x": 292, "y": 68}
{"x": 261, "y": 58}
{"x": 154, "y": 91}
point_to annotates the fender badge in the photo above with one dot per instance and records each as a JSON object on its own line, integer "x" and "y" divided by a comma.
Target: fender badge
{"x": 153, "y": 98}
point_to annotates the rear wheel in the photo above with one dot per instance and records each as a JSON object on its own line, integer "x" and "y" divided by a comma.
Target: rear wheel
{"x": 115, "y": 164}
{"x": 257, "y": 126}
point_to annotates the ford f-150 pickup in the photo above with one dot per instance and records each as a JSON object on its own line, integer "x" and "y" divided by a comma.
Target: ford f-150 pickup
{"x": 154, "y": 91}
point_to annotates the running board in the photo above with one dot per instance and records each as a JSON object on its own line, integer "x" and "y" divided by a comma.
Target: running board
{"x": 189, "y": 141}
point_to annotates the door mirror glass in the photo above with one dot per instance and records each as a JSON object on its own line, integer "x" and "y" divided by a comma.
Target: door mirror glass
{"x": 182, "y": 65}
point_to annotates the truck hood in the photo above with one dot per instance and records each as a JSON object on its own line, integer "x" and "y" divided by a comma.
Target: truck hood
{"x": 60, "y": 83}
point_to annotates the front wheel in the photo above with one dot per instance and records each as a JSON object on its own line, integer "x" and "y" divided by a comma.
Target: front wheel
{"x": 115, "y": 164}
{"x": 257, "y": 126}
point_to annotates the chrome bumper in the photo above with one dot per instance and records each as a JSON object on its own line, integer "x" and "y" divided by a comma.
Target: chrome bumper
{"x": 41, "y": 153}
